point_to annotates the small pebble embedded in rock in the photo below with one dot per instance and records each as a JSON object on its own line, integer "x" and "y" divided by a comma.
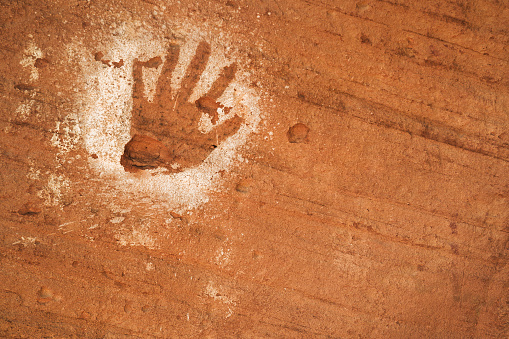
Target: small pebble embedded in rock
{"x": 45, "y": 292}
{"x": 144, "y": 152}
{"x": 298, "y": 133}
{"x": 146, "y": 309}
{"x": 41, "y": 63}
{"x": 84, "y": 315}
{"x": 244, "y": 185}
{"x": 128, "y": 308}
{"x": 98, "y": 56}
{"x": 176, "y": 215}
{"x": 45, "y": 295}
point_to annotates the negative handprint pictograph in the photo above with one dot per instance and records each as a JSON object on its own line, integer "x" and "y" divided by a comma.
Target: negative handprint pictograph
{"x": 170, "y": 132}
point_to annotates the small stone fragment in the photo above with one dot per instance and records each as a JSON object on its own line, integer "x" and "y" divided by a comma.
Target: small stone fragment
{"x": 98, "y": 56}
{"x": 365, "y": 39}
{"x": 298, "y": 133}
{"x": 176, "y": 215}
{"x": 44, "y": 300}
{"x": 128, "y": 307}
{"x": 41, "y": 63}
{"x": 362, "y": 6}
{"x": 84, "y": 315}
{"x": 67, "y": 200}
{"x": 244, "y": 185}
{"x": 29, "y": 209}
{"x": 144, "y": 152}
{"x": 45, "y": 293}
{"x": 24, "y": 87}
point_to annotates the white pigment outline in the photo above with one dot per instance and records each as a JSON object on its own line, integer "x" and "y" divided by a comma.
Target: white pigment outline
{"x": 105, "y": 116}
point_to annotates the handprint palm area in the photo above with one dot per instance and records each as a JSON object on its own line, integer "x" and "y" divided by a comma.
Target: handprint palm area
{"x": 165, "y": 132}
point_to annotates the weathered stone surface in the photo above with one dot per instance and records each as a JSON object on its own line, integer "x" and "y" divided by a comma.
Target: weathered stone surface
{"x": 388, "y": 219}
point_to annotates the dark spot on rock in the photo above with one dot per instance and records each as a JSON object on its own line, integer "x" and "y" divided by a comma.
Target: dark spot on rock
{"x": 41, "y": 63}
{"x": 120, "y": 284}
{"x": 24, "y": 87}
{"x": 453, "y": 227}
{"x": 219, "y": 236}
{"x": 256, "y": 254}
{"x": 406, "y": 52}
{"x": 298, "y": 133}
{"x": 209, "y": 106}
{"x": 29, "y": 209}
{"x": 51, "y": 220}
{"x": 118, "y": 64}
{"x": 365, "y": 39}
{"x": 94, "y": 156}
{"x": 454, "y": 249}
{"x": 98, "y": 56}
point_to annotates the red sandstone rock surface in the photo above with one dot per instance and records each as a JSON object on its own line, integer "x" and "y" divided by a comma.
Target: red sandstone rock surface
{"x": 383, "y": 214}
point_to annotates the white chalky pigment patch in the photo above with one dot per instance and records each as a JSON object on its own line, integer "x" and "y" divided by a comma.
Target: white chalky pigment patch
{"x": 106, "y": 104}
{"x": 30, "y": 55}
